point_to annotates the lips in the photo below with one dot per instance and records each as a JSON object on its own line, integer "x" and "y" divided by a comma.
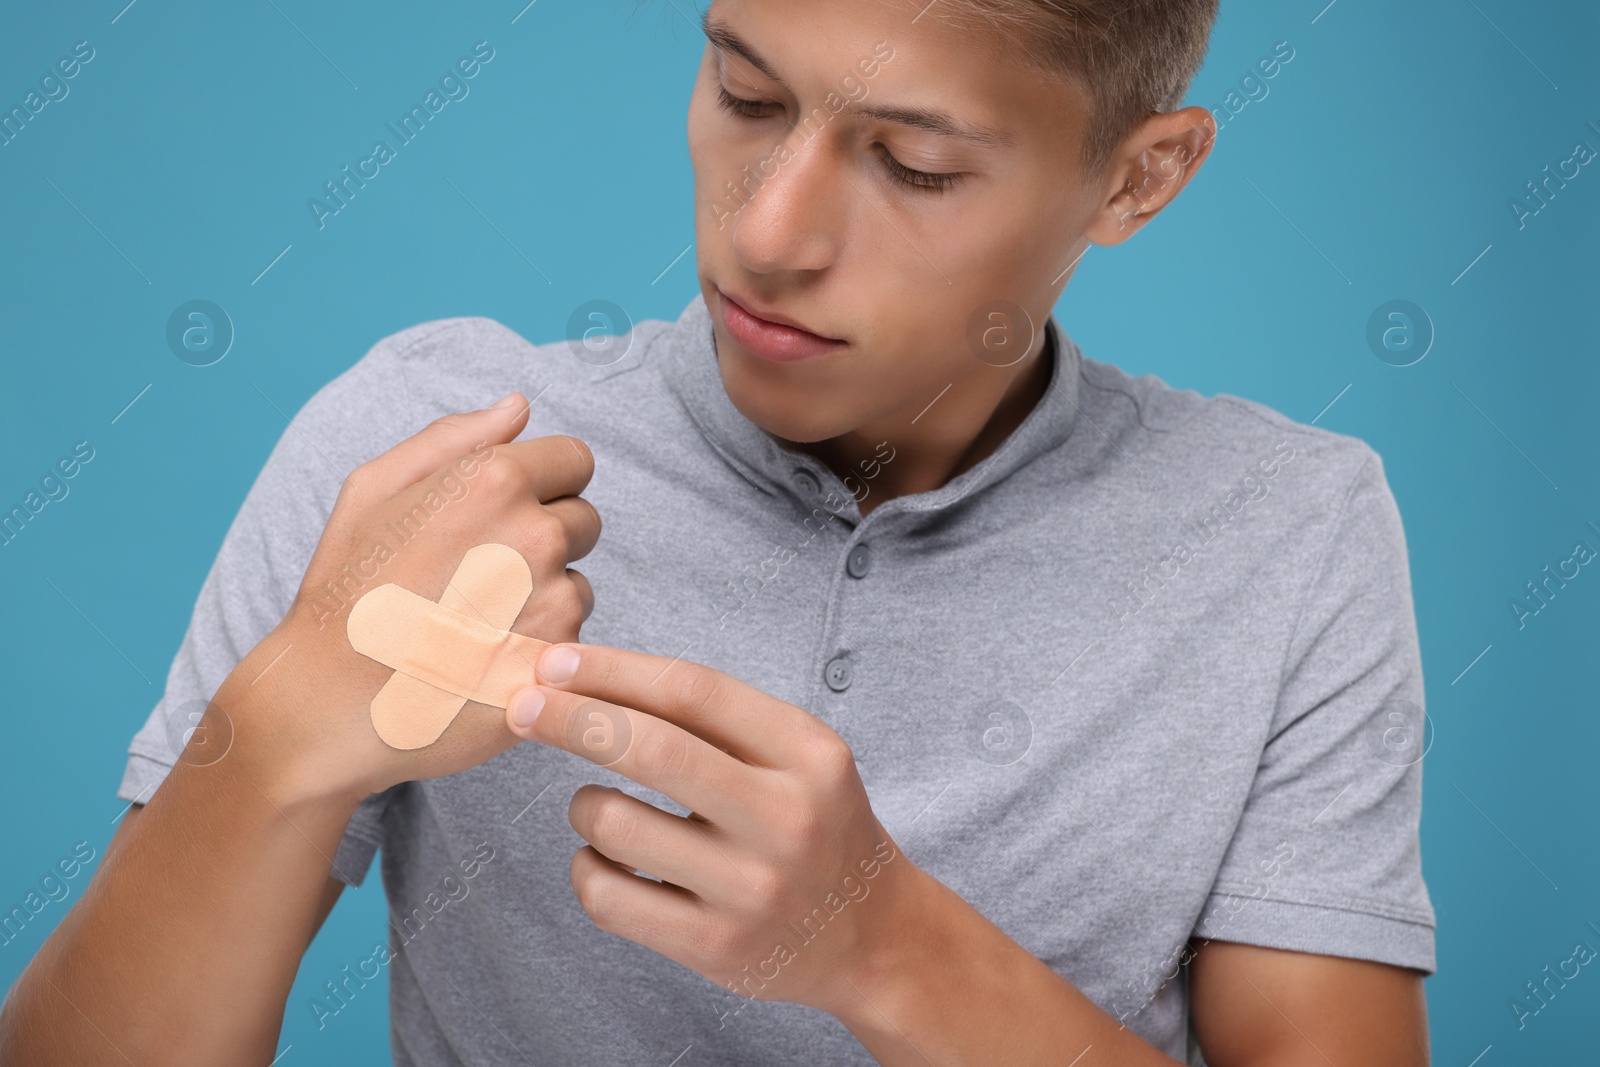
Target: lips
{"x": 772, "y": 335}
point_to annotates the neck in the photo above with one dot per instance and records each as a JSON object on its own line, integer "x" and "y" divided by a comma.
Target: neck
{"x": 935, "y": 440}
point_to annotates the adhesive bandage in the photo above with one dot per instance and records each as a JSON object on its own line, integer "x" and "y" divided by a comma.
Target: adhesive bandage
{"x": 447, "y": 653}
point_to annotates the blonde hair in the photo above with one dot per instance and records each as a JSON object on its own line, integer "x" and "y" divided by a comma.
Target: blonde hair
{"x": 1132, "y": 58}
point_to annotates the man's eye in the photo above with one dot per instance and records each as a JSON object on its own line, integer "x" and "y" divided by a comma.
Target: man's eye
{"x": 918, "y": 179}
{"x": 750, "y": 109}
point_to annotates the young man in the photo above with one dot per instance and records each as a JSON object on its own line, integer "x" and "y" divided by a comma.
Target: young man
{"x": 946, "y": 696}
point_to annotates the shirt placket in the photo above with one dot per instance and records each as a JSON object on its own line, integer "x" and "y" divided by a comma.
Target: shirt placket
{"x": 836, "y": 668}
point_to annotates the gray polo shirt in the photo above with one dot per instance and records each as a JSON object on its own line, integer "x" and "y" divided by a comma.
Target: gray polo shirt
{"x": 1149, "y": 670}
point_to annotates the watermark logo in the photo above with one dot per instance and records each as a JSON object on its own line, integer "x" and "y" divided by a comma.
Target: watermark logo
{"x": 52, "y": 888}
{"x": 336, "y": 996}
{"x": 53, "y": 88}
{"x": 739, "y": 594}
{"x": 1544, "y": 190}
{"x": 801, "y": 931}
{"x": 599, "y": 332}
{"x": 1138, "y": 992}
{"x": 1400, "y": 733}
{"x": 1543, "y": 990}
{"x": 1000, "y": 333}
{"x": 1550, "y": 581}
{"x": 343, "y": 588}
{"x": 453, "y": 86}
{"x": 852, "y": 90}
{"x": 999, "y": 733}
{"x": 1400, "y": 333}
{"x": 1253, "y": 85}
{"x": 53, "y": 487}
{"x": 599, "y": 732}
{"x": 199, "y": 332}
{"x": 199, "y": 732}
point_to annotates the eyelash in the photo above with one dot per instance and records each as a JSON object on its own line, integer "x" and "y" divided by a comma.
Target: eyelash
{"x": 914, "y": 179}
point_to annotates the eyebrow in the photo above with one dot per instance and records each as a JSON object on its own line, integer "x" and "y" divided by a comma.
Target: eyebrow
{"x": 927, "y": 119}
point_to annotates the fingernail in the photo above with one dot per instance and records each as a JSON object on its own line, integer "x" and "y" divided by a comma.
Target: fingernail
{"x": 504, "y": 402}
{"x": 525, "y": 707}
{"x": 558, "y": 664}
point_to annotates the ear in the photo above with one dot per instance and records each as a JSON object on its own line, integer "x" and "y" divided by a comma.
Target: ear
{"x": 1153, "y": 164}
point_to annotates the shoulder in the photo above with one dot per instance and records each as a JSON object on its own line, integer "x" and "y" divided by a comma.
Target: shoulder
{"x": 412, "y": 376}
{"x": 474, "y": 342}
{"x": 1184, "y": 438}
{"x": 474, "y": 355}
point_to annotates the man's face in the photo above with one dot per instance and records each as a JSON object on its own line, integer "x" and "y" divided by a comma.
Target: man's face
{"x": 823, "y": 226}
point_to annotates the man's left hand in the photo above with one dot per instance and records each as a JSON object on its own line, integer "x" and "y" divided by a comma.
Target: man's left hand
{"x": 780, "y": 883}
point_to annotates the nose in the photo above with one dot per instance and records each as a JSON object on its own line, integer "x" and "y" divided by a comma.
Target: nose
{"x": 793, "y": 220}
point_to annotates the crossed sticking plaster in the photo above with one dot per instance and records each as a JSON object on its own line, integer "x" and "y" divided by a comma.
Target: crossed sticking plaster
{"x": 447, "y": 653}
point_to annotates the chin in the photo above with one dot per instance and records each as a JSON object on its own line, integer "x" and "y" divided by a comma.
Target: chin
{"x": 777, "y": 417}
{"x": 782, "y": 412}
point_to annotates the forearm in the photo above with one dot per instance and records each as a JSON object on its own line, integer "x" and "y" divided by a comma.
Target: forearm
{"x": 185, "y": 943}
{"x": 950, "y": 987}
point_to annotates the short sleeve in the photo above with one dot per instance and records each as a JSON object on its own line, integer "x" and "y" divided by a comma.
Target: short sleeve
{"x": 1326, "y": 857}
{"x": 263, "y": 557}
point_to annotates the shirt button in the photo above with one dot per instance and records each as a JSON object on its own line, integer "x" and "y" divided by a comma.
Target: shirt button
{"x": 837, "y": 674}
{"x": 806, "y": 482}
{"x": 859, "y": 560}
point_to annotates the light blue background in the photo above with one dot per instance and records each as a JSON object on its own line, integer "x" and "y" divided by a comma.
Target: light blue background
{"x": 1379, "y": 166}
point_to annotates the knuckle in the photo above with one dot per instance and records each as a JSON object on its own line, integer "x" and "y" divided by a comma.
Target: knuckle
{"x": 597, "y": 891}
{"x": 571, "y": 607}
{"x": 803, "y": 827}
{"x": 615, "y": 822}
{"x": 499, "y": 476}
{"x": 585, "y": 454}
{"x": 606, "y": 671}
{"x": 768, "y": 888}
{"x": 594, "y": 896}
{"x": 696, "y": 689}
{"x": 546, "y": 534}
{"x": 448, "y": 423}
{"x": 663, "y": 755}
{"x": 558, "y": 609}
{"x": 352, "y": 489}
{"x": 828, "y": 755}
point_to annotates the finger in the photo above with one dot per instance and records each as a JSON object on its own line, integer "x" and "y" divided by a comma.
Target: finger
{"x": 546, "y": 468}
{"x": 658, "y": 916}
{"x": 585, "y": 591}
{"x": 556, "y": 611}
{"x": 653, "y": 752}
{"x": 642, "y": 837}
{"x": 581, "y": 522}
{"x": 442, "y": 442}
{"x": 738, "y": 718}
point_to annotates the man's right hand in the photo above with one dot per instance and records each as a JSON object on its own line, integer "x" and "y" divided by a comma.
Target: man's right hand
{"x": 296, "y": 708}
{"x": 238, "y": 841}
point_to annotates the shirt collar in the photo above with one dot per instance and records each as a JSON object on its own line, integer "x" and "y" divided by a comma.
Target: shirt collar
{"x": 688, "y": 368}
